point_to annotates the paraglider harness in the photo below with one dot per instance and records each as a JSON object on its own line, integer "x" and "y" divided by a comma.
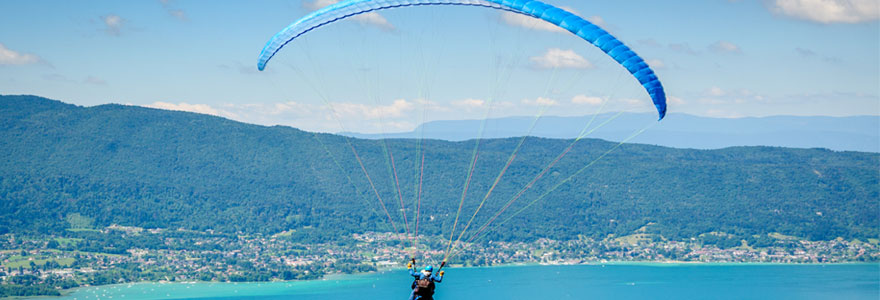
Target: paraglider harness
{"x": 424, "y": 286}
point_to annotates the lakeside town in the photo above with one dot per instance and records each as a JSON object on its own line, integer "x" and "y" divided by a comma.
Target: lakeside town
{"x": 46, "y": 265}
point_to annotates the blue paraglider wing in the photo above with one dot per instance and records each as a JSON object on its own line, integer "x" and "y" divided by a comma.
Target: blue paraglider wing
{"x": 537, "y": 9}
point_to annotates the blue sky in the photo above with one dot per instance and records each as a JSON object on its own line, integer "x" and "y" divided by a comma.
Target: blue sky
{"x": 393, "y": 70}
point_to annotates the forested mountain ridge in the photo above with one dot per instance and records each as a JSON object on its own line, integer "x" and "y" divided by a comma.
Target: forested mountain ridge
{"x": 115, "y": 164}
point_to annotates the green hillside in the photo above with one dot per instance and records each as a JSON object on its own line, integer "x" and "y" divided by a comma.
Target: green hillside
{"x": 65, "y": 166}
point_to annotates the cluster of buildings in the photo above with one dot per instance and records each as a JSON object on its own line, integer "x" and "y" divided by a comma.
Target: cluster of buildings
{"x": 213, "y": 257}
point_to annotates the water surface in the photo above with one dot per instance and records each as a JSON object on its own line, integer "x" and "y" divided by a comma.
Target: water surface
{"x": 610, "y": 281}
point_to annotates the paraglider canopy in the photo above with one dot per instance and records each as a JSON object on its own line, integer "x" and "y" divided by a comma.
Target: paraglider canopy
{"x": 591, "y": 33}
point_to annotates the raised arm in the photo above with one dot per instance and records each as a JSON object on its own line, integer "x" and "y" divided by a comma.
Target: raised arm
{"x": 438, "y": 277}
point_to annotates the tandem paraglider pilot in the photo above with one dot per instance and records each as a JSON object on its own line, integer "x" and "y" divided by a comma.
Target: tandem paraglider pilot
{"x": 423, "y": 285}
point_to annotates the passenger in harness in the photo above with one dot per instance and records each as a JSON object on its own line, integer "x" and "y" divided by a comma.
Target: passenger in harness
{"x": 423, "y": 285}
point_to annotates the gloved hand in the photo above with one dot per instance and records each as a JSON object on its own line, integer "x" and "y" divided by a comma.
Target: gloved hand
{"x": 441, "y": 273}
{"x": 409, "y": 265}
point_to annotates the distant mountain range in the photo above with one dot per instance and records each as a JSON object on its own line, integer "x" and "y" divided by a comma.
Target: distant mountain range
{"x": 857, "y": 133}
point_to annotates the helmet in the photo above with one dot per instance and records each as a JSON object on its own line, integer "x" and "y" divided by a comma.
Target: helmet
{"x": 429, "y": 268}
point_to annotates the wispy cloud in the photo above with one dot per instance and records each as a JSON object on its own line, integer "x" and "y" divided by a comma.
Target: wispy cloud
{"x": 804, "y": 52}
{"x": 178, "y": 13}
{"x": 94, "y": 80}
{"x": 807, "y": 53}
{"x": 720, "y": 113}
{"x": 370, "y": 18}
{"x": 11, "y": 57}
{"x": 113, "y": 24}
{"x": 394, "y": 110}
{"x": 56, "y": 77}
{"x": 675, "y": 100}
{"x": 829, "y": 11}
{"x": 683, "y": 48}
{"x": 635, "y": 104}
{"x": 716, "y": 96}
{"x": 174, "y": 12}
{"x": 555, "y": 58}
{"x": 587, "y": 100}
{"x": 725, "y": 47}
{"x": 715, "y": 91}
{"x": 398, "y": 115}
{"x": 343, "y": 116}
{"x": 656, "y": 63}
{"x": 459, "y": 108}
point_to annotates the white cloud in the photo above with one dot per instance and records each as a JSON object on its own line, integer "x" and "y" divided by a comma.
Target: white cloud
{"x": 540, "y": 101}
{"x": 11, "y": 57}
{"x": 113, "y": 24}
{"x": 724, "y": 47}
{"x": 370, "y": 18}
{"x": 563, "y": 59}
{"x": 469, "y": 103}
{"x": 399, "y": 115}
{"x": 634, "y": 102}
{"x": 394, "y": 110}
{"x": 375, "y": 19}
{"x": 830, "y": 11}
{"x": 336, "y": 117}
{"x": 318, "y": 4}
{"x": 259, "y": 113}
{"x": 545, "y": 101}
{"x": 196, "y": 108}
{"x": 588, "y": 100}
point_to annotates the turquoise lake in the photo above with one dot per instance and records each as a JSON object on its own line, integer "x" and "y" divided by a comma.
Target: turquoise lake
{"x": 610, "y": 281}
